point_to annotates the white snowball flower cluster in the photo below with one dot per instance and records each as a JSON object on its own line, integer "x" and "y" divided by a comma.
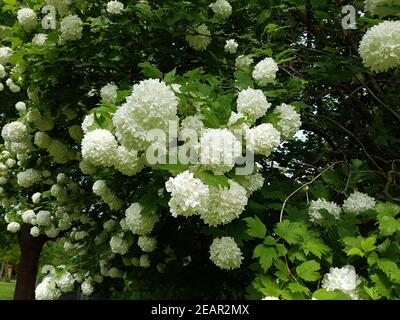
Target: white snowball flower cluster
{"x": 270, "y": 298}
{"x": 20, "y": 106}
{"x": 225, "y": 204}
{"x": 87, "y": 287}
{"x": 344, "y": 279}
{"x": 225, "y": 253}
{"x": 15, "y": 132}
{"x": 219, "y": 149}
{"x": 5, "y": 55}
{"x": 252, "y": 183}
{"x": 192, "y": 123}
{"x": 65, "y": 282}
{"x": 188, "y": 195}
{"x": 47, "y": 290}
{"x": 115, "y": 7}
{"x": 71, "y": 28}
{"x": 358, "y": 202}
{"x": 200, "y": 38}
{"x": 152, "y": 105}
{"x": 14, "y": 88}
{"x": 147, "y": 244}
{"x": 263, "y": 139}
{"x": 100, "y": 189}
{"x": 28, "y": 178}
{"x": 3, "y": 72}
{"x": 29, "y": 216}
{"x": 380, "y": 46}
{"x": 88, "y": 121}
{"x": 322, "y": 204}
{"x": 43, "y": 218}
{"x": 243, "y": 62}
{"x": 265, "y": 71}
{"x": 252, "y": 103}
{"x": 221, "y": 8}
{"x": 138, "y": 222}
{"x": 109, "y": 93}
{"x": 39, "y": 39}
{"x": 127, "y": 161}
{"x": 27, "y": 19}
{"x": 13, "y": 227}
{"x": 289, "y": 120}
{"x": 231, "y": 46}
{"x": 35, "y": 232}
{"x": 99, "y": 147}
{"x": 119, "y": 245}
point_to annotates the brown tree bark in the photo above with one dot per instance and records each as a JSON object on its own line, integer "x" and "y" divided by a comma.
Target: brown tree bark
{"x": 31, "y": 249}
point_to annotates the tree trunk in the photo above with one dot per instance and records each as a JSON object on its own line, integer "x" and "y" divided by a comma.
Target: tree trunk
{"x": 31, "y": 249}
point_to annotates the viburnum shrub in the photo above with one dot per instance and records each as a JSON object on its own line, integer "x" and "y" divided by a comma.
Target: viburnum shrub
{"x": 138, "y": 133}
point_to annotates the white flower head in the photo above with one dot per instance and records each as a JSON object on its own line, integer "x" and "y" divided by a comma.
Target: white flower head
{"x": 221, "y": 8}
{"x": 13, "y": 227}
{"x": 243, "y": 62}
{"x": 189, "y": 195}
{"x": 137, "y": 222}
{"x": 231, "y": 46}
{"x": 147, "y": 244}
{"x": 119, "y": 245}
{"x": 14, "y": 132}
{"x": 265, "y": 71}
{"x": 252, "y": 103}
{"x": 47, "y": 290}
{"x": 99, "y": 147}
{"x": 71, "y": 28}
{"x": 224, "y": 204}
{"x": 380, "y": 46}
{"x": 39, "y": 39}
{"x": 115, "y": 7}
{"x": 200, "y": 38}
{"x": 5, "y": 55}
{"x": 225, "y": 253}
{"x": 344, "y": 279}
{"x": 289, "y": 120}
{"x": 109, "y": 93}
{"x": 27, "y": 19}
{"x": 358, "y": 202}
{"x": 322, "y": 204}
{"x": 219, "y": 149}
{"x": 263, "y": 139}
{"x": 152, "y": 105}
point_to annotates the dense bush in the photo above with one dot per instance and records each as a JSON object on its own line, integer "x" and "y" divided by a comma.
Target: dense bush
{"x": 84, "y": 83}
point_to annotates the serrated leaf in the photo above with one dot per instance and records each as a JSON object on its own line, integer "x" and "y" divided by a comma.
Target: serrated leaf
{"x": 266, "y": 256}
{"x": 255, "y": 227}
{"x": 298, "y": 288}
{"x": 316, "y": 246}
{"x": 308, "y": 270}
{"x": 292, "y": 232}
{"x": 150, "y": 70}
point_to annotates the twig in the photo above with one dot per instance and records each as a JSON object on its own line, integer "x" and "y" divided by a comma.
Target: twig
{"x": 305, "y": 185}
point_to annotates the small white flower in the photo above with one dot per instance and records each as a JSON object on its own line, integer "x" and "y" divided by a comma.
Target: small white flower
{"x": 115, "y": 7}
{"x": 225, "y": 253}
{"x": 200, "y": 38}
{"x": 358, "y": 203}
{"x": 222, "y": 8}
{"x": 231, "y": 46}
{"x": 344, "y": 279}
{"x": 13, "y": 227}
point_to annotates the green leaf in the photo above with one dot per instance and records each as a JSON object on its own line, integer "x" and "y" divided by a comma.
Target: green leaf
{"x": 390, "y": 268}
{"x": 292, "y": 232}
{"x": 266, "y": 256}
{"x": 170, "y": 76}
{"x": 150, "y": 70}
{"x": 316, "y": 246}
{"x": 244, "y": 79}
{"x": 174, "y": 168}
{"x": 212, "y": 180}
{"x": 387, "y": 209}
{"x": 308, "y": 270}
{"x": 368, "y": 244}
{"x": 323, "y": 294}
{"x": 297, "y": 287}
{"x": 355, "y": 252}
{"x": 255, "y": 227}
